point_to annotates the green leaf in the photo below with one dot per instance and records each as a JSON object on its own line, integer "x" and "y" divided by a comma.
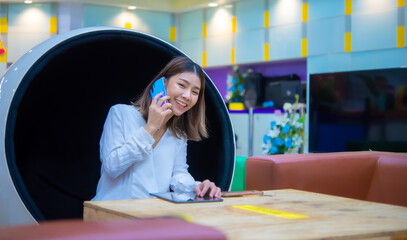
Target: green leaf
{"x": 301, "y": 119}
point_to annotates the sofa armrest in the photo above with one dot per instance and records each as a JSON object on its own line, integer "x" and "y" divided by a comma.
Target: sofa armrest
{"x": 389, "y": 182}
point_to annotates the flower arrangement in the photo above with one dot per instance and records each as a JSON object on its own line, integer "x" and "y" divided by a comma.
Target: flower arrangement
{"x": 286, "y": 134}
{"x": 235, "y": 85}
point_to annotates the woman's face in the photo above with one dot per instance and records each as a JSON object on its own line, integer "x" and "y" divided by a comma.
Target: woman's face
{"x": 183, "y": 90}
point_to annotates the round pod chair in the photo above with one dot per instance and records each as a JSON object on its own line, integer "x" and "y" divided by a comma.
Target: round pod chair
{"x": 54, "y": 101}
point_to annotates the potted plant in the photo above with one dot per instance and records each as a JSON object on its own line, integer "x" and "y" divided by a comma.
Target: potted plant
{"x": 286, "y": 134}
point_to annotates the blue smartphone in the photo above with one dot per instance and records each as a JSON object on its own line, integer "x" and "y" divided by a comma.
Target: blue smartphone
{"x": 158, "y": 87}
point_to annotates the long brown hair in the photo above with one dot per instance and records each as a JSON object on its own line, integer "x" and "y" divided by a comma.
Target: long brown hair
{"x": 192, "y": 124}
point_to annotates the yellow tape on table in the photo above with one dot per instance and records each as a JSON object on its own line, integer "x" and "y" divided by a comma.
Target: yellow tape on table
{"x": 269, "y": 211}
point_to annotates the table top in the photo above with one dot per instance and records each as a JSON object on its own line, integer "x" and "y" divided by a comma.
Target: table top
{"x": 278, "y": 214}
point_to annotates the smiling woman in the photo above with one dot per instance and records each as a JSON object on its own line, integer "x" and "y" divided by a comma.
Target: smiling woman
{"x": 55, "y": 100}
{"x": 143, "y": 147}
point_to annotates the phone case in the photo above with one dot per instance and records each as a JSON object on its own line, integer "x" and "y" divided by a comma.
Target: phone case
{"x": 158, "y": 87}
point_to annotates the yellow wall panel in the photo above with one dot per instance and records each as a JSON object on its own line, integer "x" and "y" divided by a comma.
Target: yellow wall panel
{"x": 304, "y": 47}
{"x": 203, "y": 59}
{"x": 348, "y": 7}
{"x": 234, "y": 24}
{"x": 266, "y": 52}
{"x": 401, "y": 3}
{"x": 348, "y": 42}
{"x": 233, "y": 56}
{"x": 53, "y": 25}
{"x": 204, "y": 30}
{"x": 3, "y": 25}
{"x": 400, "y": 36}
{"x": 3, "y": 58}
{"x": 305, "y": 12}
{"x": 173, "y": 34}
{"x": 266, "y": 19}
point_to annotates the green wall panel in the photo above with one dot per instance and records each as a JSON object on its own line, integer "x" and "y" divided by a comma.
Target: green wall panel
{"x": 374, "y": 30}
{"x": 285, "y": 41}
{"x": 219, "y": 50}
{"x": 191, "y": 25}
{"x": 285, "y": 12}
{"x": 326, "y": 36}
{"x": 319, "y": 9}
{"x": 193, "y": 48}
{"x": 249, "y": 46}
{"x": 250, "y": 15}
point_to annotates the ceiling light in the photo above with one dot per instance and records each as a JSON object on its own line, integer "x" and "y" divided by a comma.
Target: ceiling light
{"x": 212, "y": 4}
{"x": 28, "y": 1}
{"x": 131, "y": 7}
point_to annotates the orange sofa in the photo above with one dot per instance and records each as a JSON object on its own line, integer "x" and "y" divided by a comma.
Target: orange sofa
{"x": 372, "y": 176}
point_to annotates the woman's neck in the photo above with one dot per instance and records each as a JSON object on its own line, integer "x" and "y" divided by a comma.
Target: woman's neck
{"x": 158, "y": 135}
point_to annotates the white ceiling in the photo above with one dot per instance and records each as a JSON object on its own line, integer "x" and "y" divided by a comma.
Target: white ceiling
{"x": 158, "y": 5}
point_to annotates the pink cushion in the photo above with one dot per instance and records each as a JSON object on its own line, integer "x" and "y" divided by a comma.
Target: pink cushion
{"x": 155, "y": 228}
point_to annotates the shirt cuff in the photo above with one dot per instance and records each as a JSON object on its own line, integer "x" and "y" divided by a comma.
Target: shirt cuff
{"x": 145, "y": 135}
{"x": 183, "y": 183}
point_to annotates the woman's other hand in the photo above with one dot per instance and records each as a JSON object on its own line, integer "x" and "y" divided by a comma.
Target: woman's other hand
{"x": 207, "y": 188}
{"x": 159, "y": 110}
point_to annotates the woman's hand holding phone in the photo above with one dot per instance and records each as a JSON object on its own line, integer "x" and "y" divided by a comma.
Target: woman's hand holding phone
{"x": 159, "y": 109}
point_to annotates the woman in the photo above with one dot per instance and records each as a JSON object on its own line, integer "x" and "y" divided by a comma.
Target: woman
{"x": 143, "y": 146}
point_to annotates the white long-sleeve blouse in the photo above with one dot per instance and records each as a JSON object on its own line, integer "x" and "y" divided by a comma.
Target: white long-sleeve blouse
{"x": 131, "y": 168}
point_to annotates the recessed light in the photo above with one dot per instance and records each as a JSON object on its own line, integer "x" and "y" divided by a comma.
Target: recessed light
{"x": 131, "y": 7}
{"x": 28, "y": 1}
{"x": 212, "y": 4}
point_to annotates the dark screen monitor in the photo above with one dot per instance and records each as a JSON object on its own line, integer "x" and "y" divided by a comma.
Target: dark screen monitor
{"x": 358, "y": 110}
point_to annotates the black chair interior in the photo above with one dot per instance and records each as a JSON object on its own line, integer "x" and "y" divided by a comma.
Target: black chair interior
{"x": 58, "y": 111}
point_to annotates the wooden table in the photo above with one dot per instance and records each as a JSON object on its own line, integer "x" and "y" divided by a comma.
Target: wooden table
{"x": 278, "y": 214}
